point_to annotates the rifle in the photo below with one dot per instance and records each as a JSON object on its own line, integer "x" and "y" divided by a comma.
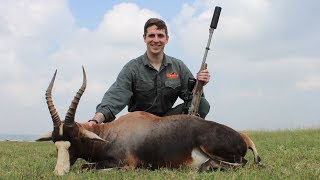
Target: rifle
{"x": 198, "y": 87}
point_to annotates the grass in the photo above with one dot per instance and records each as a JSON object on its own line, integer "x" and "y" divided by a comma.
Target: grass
{"x": 288, "y": 154}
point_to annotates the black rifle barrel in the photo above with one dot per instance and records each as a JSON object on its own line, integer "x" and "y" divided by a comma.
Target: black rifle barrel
{"x": 213, "y": 26}
{"x": 215, "y": 17}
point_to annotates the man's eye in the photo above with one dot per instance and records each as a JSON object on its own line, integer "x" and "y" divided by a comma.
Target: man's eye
{"x": 151, "y": 35}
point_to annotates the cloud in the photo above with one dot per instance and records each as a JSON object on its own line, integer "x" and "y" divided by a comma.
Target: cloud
{"x": 39, "y": 37}
{"x": 124, "y": 24}
{"x": 258, "y": 66}
{"x": 310, "y": 83}
{"x": 29, "y": 28}
{"x": 116, "y": 40}
{"x": 265, "y": 69}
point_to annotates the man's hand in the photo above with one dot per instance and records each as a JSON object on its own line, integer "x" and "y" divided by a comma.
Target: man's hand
{"x": 91, "y": 122}
{"x": 98, "y": 118}
{"x": 204, "y": 75}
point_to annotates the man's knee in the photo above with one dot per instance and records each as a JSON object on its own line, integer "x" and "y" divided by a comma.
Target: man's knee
{"x": 204, "y": 107}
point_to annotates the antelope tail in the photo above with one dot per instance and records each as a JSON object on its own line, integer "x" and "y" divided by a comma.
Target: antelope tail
{"x": 252, "y": 147}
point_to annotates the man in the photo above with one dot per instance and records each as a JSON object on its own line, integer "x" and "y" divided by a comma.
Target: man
{"x": 151, "y": 82}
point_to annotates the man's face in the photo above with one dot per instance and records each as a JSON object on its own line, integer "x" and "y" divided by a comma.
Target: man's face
{"x": 156, "y": 39}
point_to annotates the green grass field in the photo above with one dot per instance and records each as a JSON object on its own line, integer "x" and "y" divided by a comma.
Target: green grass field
{"x": 292, "y": 154}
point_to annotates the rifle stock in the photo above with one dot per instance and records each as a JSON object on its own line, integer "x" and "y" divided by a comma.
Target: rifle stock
{"x": 198, "y": 88}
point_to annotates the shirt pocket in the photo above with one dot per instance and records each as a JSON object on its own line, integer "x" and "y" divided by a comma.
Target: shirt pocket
{"x": 171, "y": 90}
{"x": 143, "y": 86}
{"x": 173, "y": 84}
{"x": 144, "y": 95}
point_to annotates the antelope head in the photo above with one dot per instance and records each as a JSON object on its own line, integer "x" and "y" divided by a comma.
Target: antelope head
{"x": 67, "y": 134}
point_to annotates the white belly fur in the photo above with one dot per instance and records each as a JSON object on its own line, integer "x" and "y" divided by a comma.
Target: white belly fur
{"x": 198, "y": 158}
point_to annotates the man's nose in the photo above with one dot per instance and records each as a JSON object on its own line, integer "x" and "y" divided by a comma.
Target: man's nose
{"x": 156, "y": 38}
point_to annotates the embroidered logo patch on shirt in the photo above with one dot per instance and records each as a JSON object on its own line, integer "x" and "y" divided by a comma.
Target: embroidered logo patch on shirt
{"x": 172, "y": 75}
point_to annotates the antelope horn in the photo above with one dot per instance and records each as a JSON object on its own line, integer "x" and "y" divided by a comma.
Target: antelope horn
{"x": 54, "y": 114}
{"x": 69, "y": 120}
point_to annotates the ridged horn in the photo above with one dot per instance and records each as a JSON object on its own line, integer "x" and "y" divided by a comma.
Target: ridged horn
{"x": 54, "y": 114}
{"x": 69, "y": 120}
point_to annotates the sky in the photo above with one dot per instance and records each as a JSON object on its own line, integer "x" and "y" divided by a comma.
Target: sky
{"x": 264, "y": 57}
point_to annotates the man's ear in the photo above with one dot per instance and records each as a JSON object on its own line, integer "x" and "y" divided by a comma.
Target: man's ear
{"x": 167, "y": 39}
{"x": 144, "y": 38}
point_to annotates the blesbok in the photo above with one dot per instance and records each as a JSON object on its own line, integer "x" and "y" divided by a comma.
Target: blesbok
{"x": 140, "y": 139}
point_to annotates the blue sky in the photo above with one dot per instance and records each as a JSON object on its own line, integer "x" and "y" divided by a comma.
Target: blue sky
{"x": 90, "y": 13}
{"x": 264, "y": 57}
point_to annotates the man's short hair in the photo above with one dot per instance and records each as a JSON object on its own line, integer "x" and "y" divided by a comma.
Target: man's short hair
{"x": 157, "y": 22}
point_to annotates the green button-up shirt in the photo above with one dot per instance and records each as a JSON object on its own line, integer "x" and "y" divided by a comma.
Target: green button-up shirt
{"x": 140, "y": 86}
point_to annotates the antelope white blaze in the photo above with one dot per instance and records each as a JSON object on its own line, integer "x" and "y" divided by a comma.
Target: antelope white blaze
{"x": 61, "y": 130}
{"x": 198, "y": 157}
{"x": 63, "y": 161}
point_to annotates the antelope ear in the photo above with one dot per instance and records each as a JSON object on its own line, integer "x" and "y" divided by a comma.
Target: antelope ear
{"x": 46, "y": 137}
{"x": 88, "y": 134}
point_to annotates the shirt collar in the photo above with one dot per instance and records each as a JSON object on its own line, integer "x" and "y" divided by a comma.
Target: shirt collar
{"x": 166, "y": 60}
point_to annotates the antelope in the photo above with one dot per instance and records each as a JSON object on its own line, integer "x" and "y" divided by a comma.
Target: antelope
{"x": 143, "y": 140}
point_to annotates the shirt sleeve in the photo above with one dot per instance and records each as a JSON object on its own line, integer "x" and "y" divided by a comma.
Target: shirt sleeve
{"x": 118, "y": 95}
